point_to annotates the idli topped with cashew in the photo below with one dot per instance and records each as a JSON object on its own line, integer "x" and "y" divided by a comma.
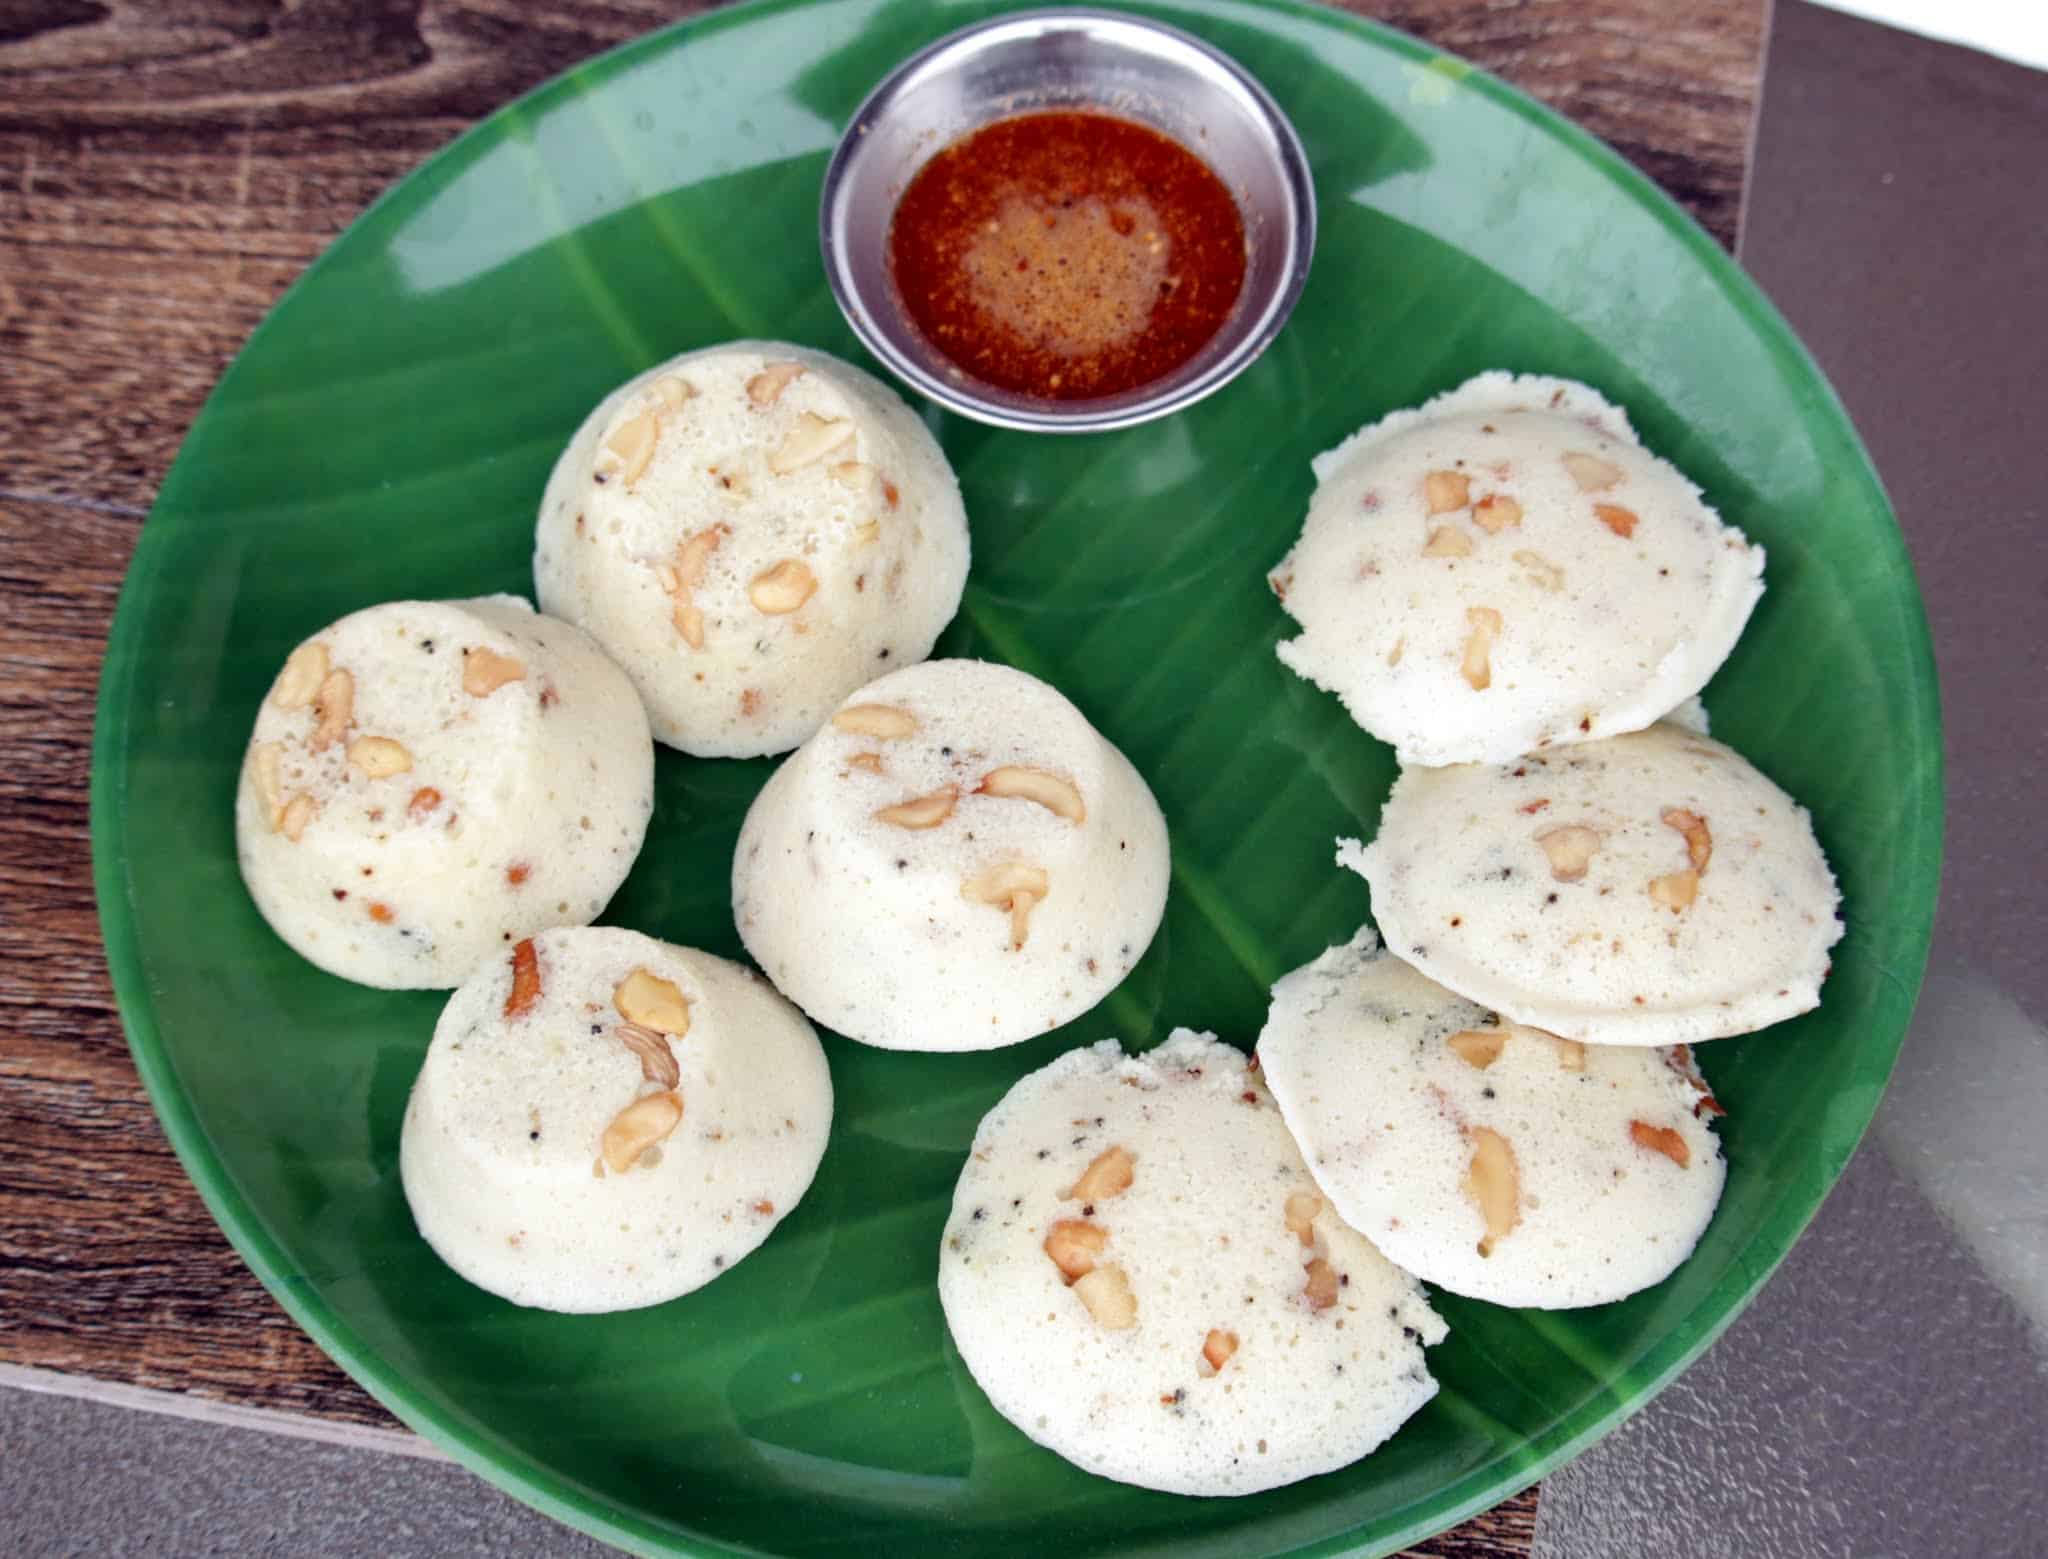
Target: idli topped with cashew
{"x": 1140, "y": 1273}
{"x": 957, "y": 860}
{"x": 752, "y": 531}
{"x": 605, "y": 1121}
{"x": 1507, "y": 569}
{"x": 1649, "y": 889}
{"x": 1497, "y": 1161}
{"x": 428, "y": 781}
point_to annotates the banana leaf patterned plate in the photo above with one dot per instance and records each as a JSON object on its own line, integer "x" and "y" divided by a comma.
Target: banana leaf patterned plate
{"x": 387, "y": 433}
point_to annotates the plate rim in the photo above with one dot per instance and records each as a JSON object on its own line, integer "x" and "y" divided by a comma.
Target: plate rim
{"x": 1922, "y": 818}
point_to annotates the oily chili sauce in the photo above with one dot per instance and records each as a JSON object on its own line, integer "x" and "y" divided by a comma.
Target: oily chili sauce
{"x": 1067, "y": 255}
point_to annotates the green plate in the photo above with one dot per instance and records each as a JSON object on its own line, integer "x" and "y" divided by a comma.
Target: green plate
{"x": 387, "y": 433}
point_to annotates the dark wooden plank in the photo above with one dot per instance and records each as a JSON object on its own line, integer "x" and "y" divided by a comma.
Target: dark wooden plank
{"x": 1504, "y": 1532}
{"x": 1672, "y": 87}
{"x": 109, "y": 1263}
{"x": 163, "y": 179}
{"x": 165, "y": 172}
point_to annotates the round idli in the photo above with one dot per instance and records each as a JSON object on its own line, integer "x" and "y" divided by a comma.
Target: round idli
{"x": 604, "y": 1121}
{"x": 1496, "y": 1161}
{"x": 752, "y": 531}
{"x": 957, "y": 860}
{"x": 1507, "y": 569}
{"x": 428, "y": 781}
{"x": 1649, "y": 889}
{"x": 1139, "y": 1272}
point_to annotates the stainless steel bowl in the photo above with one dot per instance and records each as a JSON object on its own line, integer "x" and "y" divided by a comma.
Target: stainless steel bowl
{"x": 1068, "y": 58}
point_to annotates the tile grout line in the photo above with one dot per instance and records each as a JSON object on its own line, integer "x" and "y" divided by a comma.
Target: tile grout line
{"x": 90, "y": 505}
{"x": 229, "y": 1415}
{"x": 1756, "y": 125}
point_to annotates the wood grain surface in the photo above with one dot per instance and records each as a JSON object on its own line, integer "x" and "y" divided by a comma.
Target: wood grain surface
{"x": 165, "y": 172}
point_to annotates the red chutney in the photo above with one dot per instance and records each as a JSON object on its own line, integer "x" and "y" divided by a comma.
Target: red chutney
{"x": 1067, "y": 255}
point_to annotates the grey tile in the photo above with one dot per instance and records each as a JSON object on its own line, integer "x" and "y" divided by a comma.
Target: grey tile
{"x": 86, "y": 1478}
{"x": 1887, "y": 1394}
{"x": 1877, "y": 1401}
{"x": 1893, "y": 216}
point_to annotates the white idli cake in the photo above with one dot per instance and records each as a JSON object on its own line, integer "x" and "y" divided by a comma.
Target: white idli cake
{"x": 605, "y": 1121}
{"x": 957, "y": 860}
{"x": 1649, "y": 889}
{"x": 1497, "y": 1161}
{"x": 752, "y": 531}
{"x": 431, "y": 780}
{"x": 1508, "y": 569}
{"x": 1140, "y": 1274}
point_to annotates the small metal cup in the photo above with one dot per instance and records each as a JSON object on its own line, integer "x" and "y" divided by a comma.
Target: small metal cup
{"x": 1068, "y": 59}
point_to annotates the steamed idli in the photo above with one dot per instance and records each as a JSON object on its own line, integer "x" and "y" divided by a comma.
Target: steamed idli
{"x": 1507, "y": 569}
{"x": 604, "y": 1121}
{"x": 1496, "y": 1161}
{"x": 752, "y": 532}
{"x": 1139, "y": 1273}
{"x": 1648, "y": 889}
{"x": 957, "y": 860}
{"x": 429, "y": 780}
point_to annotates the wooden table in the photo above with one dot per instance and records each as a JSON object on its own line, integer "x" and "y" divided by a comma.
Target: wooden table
{"x": 165, "y": 173}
